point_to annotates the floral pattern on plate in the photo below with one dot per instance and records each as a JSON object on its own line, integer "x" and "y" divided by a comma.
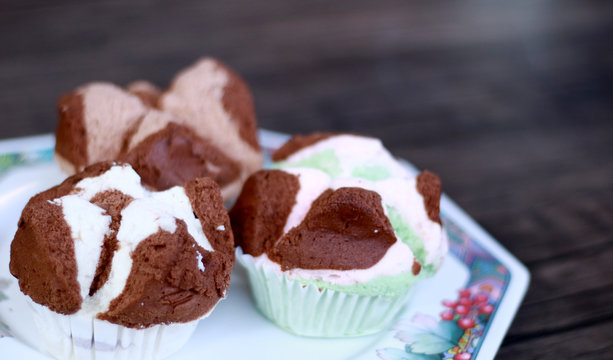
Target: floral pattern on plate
{"x": 464, "y": 321}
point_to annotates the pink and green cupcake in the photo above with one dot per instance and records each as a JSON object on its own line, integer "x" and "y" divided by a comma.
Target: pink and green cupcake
{"x": 336, "y": 236}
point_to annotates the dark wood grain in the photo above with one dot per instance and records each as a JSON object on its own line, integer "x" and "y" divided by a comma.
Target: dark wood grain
{"x": 510, "y": 102}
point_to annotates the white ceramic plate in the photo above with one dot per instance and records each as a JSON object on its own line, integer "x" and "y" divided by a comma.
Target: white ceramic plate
{"x": 492, "y": 280}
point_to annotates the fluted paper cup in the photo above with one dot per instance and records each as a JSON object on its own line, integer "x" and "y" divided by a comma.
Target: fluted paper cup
{"x": 306, "y": 310}
{"x": 80, "y": 337}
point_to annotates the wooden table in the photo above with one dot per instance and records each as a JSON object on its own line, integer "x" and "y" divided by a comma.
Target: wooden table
{"x": 510, "y": 102}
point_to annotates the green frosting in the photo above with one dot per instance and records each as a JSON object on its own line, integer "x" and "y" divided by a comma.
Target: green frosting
{"x": 370, "y": 172}
{"x": 428, "y": 271}
{"x": 390, "y": 286}
{"x": 328, "y": 162}
{"x": 325, "y": 160}
{"x": 406, "y": 234}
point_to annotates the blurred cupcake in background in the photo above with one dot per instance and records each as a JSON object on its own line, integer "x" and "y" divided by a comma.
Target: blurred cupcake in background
{"x": 203, "y": 125}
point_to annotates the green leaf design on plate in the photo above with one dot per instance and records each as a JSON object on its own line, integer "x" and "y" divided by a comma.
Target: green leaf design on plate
{"x": 325, "y": 160}
{"x": 4, "y": 330}
{"x": 406, "y": 234}
{"x": 451, "y": 330}
{"x": 8, "y": 160}
{"x": 430, "y": 344}
{"x": 371, "y": 172}
{"x": 431, "y": 340}
{"x": 4, "y": 283}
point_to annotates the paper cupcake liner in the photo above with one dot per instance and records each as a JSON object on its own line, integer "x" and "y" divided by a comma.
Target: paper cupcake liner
{"x": 83, "y": 338}
{"x": 306, "y": 310}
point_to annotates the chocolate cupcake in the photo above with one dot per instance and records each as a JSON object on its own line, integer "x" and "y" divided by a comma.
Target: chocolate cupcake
{"x": 335, "y": 238}
{"x": 112, "y": 269}
{"x": 203, "y": 125}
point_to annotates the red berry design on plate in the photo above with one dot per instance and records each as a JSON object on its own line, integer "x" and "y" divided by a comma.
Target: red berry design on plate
{"x": 465, "y": 301}
{"x": 480, "y": 298}
{"x": 464, "y": 293}
{"x": 466, "y": 323}
{"x": 486, "y": 308}
{"x": 447, "y": 315}
{"x": 462, "y": 356}
{"x": 462, "y": 310}
{"x": 449, "y": 304}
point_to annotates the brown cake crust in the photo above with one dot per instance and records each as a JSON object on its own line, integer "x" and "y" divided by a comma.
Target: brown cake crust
{"x": 42, "y": 258}
{"x": 94, "y": 122}
{"x": 175, "y": 155}
{"x": 113, "y": 202}
{"x": 416, "y": 267}
{"x": 165, "y": 284}
{"x": 344, "y": 229}
{"x": 238, "y": 102}
{"x": 429, "y": 186}
{"x": 262, "y": 209}
{"x": 147, "y": 92}
{"x": 207, "y": 203}
{"x": 71, "y": 136}
{"x": 42, "y": 252}
{"x": 299, "y": 142}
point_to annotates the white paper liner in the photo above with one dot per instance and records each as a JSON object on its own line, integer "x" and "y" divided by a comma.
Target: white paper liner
{"x": 304, "y": 309}
{"x": 83, "y": 338}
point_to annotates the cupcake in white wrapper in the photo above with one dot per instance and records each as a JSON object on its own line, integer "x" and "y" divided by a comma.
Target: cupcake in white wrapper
{"x": 112, "y": 270}
{"x": 336, "y": 237}
{"x": 80, "y": 337}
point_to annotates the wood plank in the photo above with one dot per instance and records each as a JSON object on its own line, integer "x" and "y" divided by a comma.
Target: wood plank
{"x": 585, "y": 343}
{"x": 554, "y": 315}
{"x": 315, "y": 51}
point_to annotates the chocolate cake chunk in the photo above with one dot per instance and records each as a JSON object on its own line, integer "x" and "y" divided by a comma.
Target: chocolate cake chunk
{"x": 260, "y": 212}
{"x": 71, "y": 135}
{"x": 93, "y": 122}
{"x": 147, "y": 92}
{"x": 207, "y": 203}
{"x": 42, "y": 258}
{"x": 344, "y": 229}
{"x": 165, "y": 284}
{"x": 215, "y": 102}
{"x": 429, "y": 186}
{"x": 113, "y": 202}
{"x": 42, "y": 252}
{"x": 175, "y": 155}
{"x": 238, "y": 102}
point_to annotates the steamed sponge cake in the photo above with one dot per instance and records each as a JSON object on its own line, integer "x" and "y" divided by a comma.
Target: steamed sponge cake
{"x": 101, "y": 245}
